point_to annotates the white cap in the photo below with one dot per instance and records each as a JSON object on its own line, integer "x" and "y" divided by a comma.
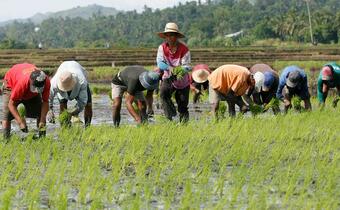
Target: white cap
{"x": 259, "y": 81}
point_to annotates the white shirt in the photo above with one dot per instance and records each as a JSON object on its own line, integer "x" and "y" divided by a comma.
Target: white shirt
{"x": 79, "y": 92}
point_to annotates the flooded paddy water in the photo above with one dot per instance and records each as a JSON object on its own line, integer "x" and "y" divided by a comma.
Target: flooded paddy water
{"x": 102, "y": 113}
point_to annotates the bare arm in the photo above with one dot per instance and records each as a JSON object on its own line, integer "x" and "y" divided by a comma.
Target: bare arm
{"x": 44, "y": 110}
{"x": 129, "y": 100}
{"x": 12, "y": 106}
{"x": 149, "y": 100}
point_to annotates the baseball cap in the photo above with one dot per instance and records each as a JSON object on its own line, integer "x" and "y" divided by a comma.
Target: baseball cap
{"x": 268, "y": 81}
{"x": 293, "y": 79}
{"x": 37, "y": 83}
{"x": 326, "y": 73}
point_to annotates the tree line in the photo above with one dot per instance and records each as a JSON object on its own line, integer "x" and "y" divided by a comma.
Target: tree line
{"x": 204, "y": 24}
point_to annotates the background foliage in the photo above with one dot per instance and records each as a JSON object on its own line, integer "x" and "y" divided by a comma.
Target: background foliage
{"x": 205, "y": 25}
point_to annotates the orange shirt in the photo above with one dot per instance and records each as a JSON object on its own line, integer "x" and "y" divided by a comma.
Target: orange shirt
{"x": 230, "y": 77}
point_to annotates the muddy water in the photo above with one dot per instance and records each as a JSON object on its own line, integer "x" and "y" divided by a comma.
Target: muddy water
{"x": 102, "y": 112}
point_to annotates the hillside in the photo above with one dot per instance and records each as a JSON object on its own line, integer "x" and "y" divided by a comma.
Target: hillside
{"x": 82, "y": 12}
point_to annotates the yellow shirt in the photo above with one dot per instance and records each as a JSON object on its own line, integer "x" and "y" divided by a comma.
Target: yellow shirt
{"x": 230, "y": 77}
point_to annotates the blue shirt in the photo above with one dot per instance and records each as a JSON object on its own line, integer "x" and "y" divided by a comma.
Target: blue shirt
{"x": 302, "y": 87}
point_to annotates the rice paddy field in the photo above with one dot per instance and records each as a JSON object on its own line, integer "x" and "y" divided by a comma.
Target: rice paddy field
{"x": 266, "y": 161}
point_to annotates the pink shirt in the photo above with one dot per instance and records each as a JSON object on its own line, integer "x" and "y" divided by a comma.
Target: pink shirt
{"x": 180, "y": 58}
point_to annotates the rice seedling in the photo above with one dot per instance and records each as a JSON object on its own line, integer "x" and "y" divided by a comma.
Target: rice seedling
{"x": 273, "y": 104}
{"x": 65, "y": 119}
{"x": 283, "y": 161}
{"x": 256, "y": 109}
{"x": 179, "y": 72}
{"x": 296, "y": 103}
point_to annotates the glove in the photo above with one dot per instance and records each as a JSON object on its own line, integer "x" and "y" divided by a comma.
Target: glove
{"x": 50, "y": 117}
{"x": 162, "y": 65}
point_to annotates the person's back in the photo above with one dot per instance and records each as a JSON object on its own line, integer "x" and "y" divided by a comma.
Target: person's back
{"x": 230, "y": 77}
{"x": 19, "y": 72}
{"x": 74, "y": 68}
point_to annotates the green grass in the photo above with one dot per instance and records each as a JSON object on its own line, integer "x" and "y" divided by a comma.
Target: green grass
{"x": 266, "y": 162}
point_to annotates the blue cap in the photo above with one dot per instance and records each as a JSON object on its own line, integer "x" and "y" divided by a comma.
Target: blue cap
{"x": 149, "y": 80}
{"x": 268, "y": 81}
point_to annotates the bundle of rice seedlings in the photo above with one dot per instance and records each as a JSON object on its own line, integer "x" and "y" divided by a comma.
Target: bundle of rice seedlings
{"x": 179, "y": 72}
{"x": 296, "y": 103}
{"x": 274, "y": 104}
{"x": 256, "y": 109}
{"x": 65, "y": 118}
{"x": 21, "y": 110}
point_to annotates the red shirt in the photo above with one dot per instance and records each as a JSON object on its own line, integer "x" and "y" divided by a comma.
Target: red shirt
{"x": 18, "y": 81}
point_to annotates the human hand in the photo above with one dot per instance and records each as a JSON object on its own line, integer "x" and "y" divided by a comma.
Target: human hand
{"x": 23, "y": 127}
{"x": 335, "y": 102}
{"x": 42, "y": 130}
{"x": 50, "y": 117}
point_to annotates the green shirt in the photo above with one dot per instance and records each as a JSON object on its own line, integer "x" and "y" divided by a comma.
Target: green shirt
{"x": 336, "y": 78}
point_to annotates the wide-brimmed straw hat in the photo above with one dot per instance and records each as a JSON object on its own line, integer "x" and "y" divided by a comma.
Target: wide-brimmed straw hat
{"x": 200, "y": 73}
{"x": 66, "y": 81}
{"x": 149, "y": 80}
{"x": 171, "y": 28}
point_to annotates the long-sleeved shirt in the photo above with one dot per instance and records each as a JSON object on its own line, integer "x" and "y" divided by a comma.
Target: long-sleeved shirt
{"x": 302, "y": 87}
{"x": 336, "y": 80}
{"x": 181, "y": 57}
{"x": 79, "y": 91}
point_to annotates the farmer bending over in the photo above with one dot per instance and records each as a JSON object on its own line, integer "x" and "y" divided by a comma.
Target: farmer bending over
{"x": 199, "y": 80}
{"x": 266, "y": 83}
{"x": 293, "y": 82}
{"x": 133, "y": 80}
{"x": 25, "y": 84}
{"x": 70, "y": 83}
{"x": 329, "y": 78}
{"x": 229, "y": 83}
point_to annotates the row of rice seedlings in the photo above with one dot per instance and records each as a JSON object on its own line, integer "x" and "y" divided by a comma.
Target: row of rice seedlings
{"x": 226, "y": 164}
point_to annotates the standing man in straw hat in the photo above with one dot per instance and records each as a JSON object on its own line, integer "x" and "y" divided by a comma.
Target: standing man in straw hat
{"x": 69, "y": 83}
{"x": 266, "y": 84}
{"x": 133, "y": 80}
{"x": 26, "y": 84}
{"x": 293, "y": 82}
{"x": 229, "y": 83}
{"x": 199, "y": 80}
{"x": 173, "y": 60}
{"x": 329, "y": 78}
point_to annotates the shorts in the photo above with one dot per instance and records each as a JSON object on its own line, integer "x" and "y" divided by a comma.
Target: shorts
{"x": 215, "y": 96}
{"x": 32, "y": 106}
{"x": 89, "y": 97}
{"x": 118, "y": 91}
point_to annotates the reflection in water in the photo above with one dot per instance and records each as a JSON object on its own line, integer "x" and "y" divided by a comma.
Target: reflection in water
{"x": 102, "y": 112}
